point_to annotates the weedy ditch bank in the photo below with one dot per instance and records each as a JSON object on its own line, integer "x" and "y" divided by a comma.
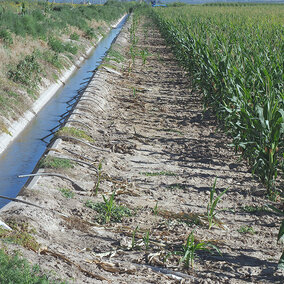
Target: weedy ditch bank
{"x": 141, "y": 213}
{"x": 14, "y": 130}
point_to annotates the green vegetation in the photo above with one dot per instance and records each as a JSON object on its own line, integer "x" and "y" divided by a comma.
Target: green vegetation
{"x": 189, "y": 249}
{"x": 212, "y": 204}
{"x": 38, "y": 39}
{"x": 27, "y": 71}
{"x": 16, "y": 270}
{"x": 21, "y": 235}
{"x": 74, "y": 132}
{"x": 55, "y": 163}
{"x": 108, "y": 210}
{"x": 243, "y": 85}
{"x": 246, "y": 230}
{"x": 115, "y": 56}
{"x": 255, "y": 209}
{"x": 66, "y": 192}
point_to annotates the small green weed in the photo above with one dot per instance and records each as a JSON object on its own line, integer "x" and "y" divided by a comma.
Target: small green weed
{"x": 66, "y": 192}
{"x": 59, "y": 47}
{"x": 255, "y": 209}
{"x": 21, "y": 235}
{"x": 17, "y": 270}
{"x": 155, "y": 209}
{"x": 90, "y": 33}
{"x": 74, "y": 132}
{"x": 74, "y": 36}
{"x": 55, "y": 163}
{"x": 108, "y": 210}
{"x": 115, "y": 55}
{"x": 27, "y": 72}
{"x": 246, "y": 230}
{"x": 6, "y": 37}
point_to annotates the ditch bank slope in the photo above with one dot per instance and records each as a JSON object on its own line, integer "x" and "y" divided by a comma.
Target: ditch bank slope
{"x": 16, "y": 127}
{"x": 143, "y": 135}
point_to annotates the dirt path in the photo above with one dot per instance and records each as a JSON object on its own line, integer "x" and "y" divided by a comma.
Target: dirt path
{"x": 161, "y": 154}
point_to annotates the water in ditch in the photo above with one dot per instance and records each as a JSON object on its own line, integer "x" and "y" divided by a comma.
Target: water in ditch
{"x": 24, "y": 153}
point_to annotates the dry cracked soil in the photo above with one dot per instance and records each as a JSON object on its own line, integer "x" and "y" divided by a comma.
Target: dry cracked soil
{"x": 151, "y": 147}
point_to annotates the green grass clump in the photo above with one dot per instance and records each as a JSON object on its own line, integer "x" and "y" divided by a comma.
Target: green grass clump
{"x": 255, "y": 209}
{"x": 115, "y": 56}
{"x": 74, "y": 36}
{"x": 27, "y": 71}
{"x": 20, "y": 235}
{"x": 74, "y": 132}
{"x": 66, "y": 192}
{"x": 246, "y": 230}
{"x": 17, "y": 270}
{"x": 6, "y": 37}
{"x": 108, "y": 211}
{"x": 59, "y": 47}
{"x": 55, "y": 163}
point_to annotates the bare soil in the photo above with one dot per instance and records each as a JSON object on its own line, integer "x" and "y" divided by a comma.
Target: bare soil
{"x": 160, "y": 153}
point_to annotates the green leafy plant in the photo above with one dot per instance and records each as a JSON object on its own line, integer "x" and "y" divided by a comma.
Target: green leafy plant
{"x": 133, "y": 241}
{"x": 15, "y": 269}
{"x": 212, "y": 204}
{"x": 97, "y": 185}
{"x": 108, "y": 210}
{"x": 155, "y": 209}
{"x": 27, "y": 72}
{"x": 74, "y": 132}
{"x": 6, "y": 37}
{"x": 66, "y": 192}
{"x": 144, "y": 54}
{"x": 74, "y": 36}
{"x": 189, "y": 249}
{"x": 246, "y": 230}
{"x": 55, "y": 163}
{"x": 146, "y": 240}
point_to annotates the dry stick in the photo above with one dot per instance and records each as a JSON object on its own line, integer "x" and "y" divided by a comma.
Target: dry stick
{"x": 90, "y": 274}
{"x": 75, "y": 185}
{"x": 79, "y": 122}
{"x": 81, "y": 141}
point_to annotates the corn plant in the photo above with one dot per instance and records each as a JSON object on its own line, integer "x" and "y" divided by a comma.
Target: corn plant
{"x": 243, "y": 86}
{"x": 191, "y": 246}
{"x": 109, "y": 206}
{"x": 97, "y": 185}
{"x": 144, "y": 54}
{"x": 133, "y": 240}
{"x": 146, "y": 240}
{"x": 212, "y": 204}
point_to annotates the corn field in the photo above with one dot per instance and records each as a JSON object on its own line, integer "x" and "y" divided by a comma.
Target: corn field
{"x": 235, "y": 55}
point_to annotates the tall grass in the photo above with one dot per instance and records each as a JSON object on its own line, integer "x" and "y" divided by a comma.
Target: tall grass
{"x": 236, "y": 56}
